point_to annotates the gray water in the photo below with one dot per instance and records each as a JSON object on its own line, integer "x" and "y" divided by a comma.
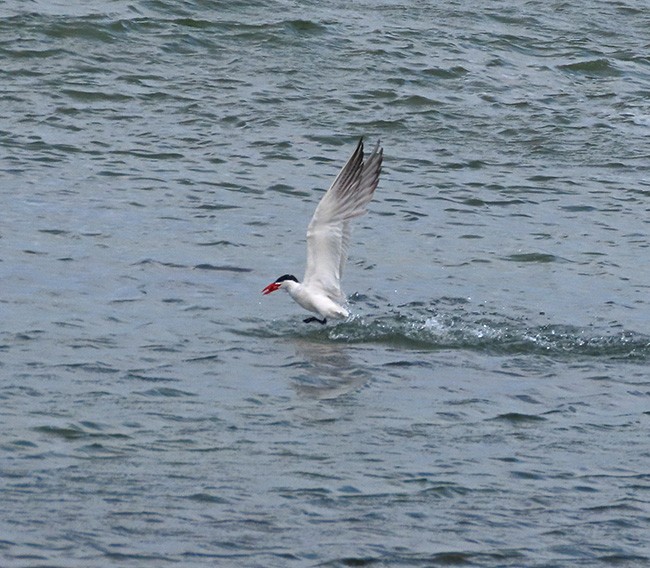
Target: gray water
{"x": 487, "y": 404}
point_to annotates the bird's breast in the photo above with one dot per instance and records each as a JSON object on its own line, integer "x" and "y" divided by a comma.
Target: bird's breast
{"x": 318, "y": 302}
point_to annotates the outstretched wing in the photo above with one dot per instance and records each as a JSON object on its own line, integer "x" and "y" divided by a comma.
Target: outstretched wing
{"x": 328, "y": 234}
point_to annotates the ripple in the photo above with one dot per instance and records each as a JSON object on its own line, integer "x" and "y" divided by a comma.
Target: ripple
{"x": 81, "y": 430}
{"x": 592, "y": 67}
{"x": 222, "y": 268}
{"x": 166, "y": 392}
{"x": 532, "y": 257}
{"x": 518, "y": 418}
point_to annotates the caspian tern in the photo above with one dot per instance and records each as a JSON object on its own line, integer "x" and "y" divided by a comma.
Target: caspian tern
{"x": 328, "y": 238}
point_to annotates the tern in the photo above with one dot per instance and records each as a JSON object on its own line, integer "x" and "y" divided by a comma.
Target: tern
{"x": 328, "y": 238}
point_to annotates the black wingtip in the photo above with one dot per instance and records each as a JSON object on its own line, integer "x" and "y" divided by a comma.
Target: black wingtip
{"x": 375, "y": 149}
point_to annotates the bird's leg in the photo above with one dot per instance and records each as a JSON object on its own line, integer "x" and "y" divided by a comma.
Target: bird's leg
{"x": 311, "y": 319}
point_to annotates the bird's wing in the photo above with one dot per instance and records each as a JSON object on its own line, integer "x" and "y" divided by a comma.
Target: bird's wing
{"x": 328, "y": 234}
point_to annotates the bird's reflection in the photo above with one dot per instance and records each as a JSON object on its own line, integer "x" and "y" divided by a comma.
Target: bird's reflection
{"x": 325, "y": 370}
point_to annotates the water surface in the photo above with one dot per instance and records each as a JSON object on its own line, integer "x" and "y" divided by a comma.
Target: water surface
{"x": 488, "y": 402}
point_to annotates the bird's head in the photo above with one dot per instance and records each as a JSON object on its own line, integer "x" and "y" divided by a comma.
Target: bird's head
{"x": 273, "y": 286}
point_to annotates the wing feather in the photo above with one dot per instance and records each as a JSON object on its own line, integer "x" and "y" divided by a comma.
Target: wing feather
{"x": 328, "y": 234}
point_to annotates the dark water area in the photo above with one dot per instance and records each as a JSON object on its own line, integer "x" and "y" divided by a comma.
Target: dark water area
{"x": 488, "y": 402}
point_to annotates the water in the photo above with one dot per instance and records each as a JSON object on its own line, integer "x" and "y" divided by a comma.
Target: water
{"x": 488, "y": 402}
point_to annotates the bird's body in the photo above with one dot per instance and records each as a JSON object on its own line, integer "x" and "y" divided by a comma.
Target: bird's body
{"x": 315, "y": 300}
{"x": 328, "y": 237}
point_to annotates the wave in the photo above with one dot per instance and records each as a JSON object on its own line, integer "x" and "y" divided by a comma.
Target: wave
{"x": 414, "y": 326}
{"x": 495, "y": 336}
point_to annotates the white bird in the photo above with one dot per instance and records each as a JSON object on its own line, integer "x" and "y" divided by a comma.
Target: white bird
{"x": 328, "y": 238}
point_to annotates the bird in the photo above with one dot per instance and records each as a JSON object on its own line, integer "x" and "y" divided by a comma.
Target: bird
{"x": 328, "y": 238}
